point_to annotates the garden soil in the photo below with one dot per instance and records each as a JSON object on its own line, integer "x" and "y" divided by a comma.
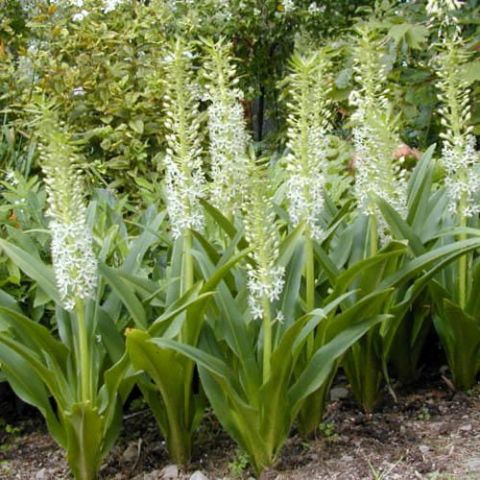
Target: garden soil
{"x": 428, "y": 432}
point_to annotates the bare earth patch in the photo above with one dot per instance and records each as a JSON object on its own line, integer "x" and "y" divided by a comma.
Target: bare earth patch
{"x": 429, "y": 433}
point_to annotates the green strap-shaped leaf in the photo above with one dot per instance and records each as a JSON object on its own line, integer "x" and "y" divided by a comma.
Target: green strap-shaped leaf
{"x": 36, "y": 335}
{"x": 400, "y": 228}
{"x": 419, "y": 188}
{"x": 324, "y": 360}
{"x": 213, "y": 364}
{"x": 30, "y": 389}
{"x": 53, "y": 379}
{"x": 414, "y": 267}
{"x": 125, "y": 293}
{"x": 34, "y": 268}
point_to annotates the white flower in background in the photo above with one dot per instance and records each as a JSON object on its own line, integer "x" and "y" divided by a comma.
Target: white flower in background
{"x": 78, "y": 92}
{"x": 266, "y": 278}
{"x": 184, "y": 178}
{"x": 288, "y": 5}
{"x": 227, "y": 131}
{"x": 79, "y": 16}
{"x": 74, "y": 261}
{"x": 73, "y": 3}
{"x": 315, "y": 9}
{"x": 11, "y": 177}
{"x": 111, "y": 5}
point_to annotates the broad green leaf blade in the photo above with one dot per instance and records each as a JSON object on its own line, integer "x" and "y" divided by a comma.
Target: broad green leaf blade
{"x": 125, "y": 293}
{"x": 30, "y": 389}
{"x": 37, "y": 336}
{"x": 213, "y": 364}
{"x": 324, "y": 360}
{"x": 34, "y": 268}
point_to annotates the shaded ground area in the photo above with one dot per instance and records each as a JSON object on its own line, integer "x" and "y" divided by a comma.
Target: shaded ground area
{"x": 429, "y": 433}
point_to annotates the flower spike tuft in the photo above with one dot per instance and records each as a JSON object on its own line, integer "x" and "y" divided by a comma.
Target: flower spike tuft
{"x": 308, "y": 124}
{"x": 74, "y": 261}
{"x": 377, "y": 171}
{"x": 185, "y": 182}
{"x": 266, "y": 278}
{"x": 227, "y": 130}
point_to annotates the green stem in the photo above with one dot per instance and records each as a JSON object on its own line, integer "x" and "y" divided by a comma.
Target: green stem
{"x": 373, "y": 236}
{"x": 179, "y": 440}
{"x": 187, "y": 274}
{"x": 309, "y": 286}
{"x": 83, "y": 354}
{"x": 462, "y": 266}
{"x": 185, "y": 335}
{"x": 267, "y": 338}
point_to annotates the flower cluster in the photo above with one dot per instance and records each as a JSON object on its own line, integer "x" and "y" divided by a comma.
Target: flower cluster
{"x": 461, "y": 162}
{"x": 266, "y": 278}
{"x": 442, "y": 8}
{"x": 110, "y": 5}
{"x": 442, "y": 11}
{"x": 74, "y": 261}
{"x": 460, "y": 159}
{"x": 308, "y": 124}
{"x": 227, "y": 130}
{"x": 377, "y": 171}
{"x": 315, "y": 9}
{"x": 184, "y": 176}
{"x": 288, "y": 5}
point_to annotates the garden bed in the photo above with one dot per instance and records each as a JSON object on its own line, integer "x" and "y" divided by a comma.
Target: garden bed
{"x": 429, "y": 433}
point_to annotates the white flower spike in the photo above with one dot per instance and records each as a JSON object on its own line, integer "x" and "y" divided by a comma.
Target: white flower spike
{"x": 74, "y": 261}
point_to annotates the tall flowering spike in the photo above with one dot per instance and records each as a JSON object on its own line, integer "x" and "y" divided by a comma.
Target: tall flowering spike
{"x": 308, "y": 124}
{"x": 226, "y": 128}
{"x": 74, "y": 261}
{"x": 266, "y": 278}
{"x": 377, "y": 172}
{"x": 184, "y": 177}
{"x": 460, "y": 159}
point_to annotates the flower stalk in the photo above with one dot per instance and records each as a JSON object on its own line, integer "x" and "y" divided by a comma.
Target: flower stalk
{"x": 265, "y": 278}
{"x": 74, "y": 261}
{"x": 459, "y": 157}
{"x": 84, "y": 358}
{"x": 307, "y": 90}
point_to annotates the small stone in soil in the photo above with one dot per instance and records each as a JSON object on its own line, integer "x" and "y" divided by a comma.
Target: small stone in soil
{"x": 338, "y": 393}
{"x": 198, "y": 475}
{"x": 41, "y": 474}
{"x": 130, "y": 453}
{"x": 473, "y": 465}
{"x": 170, "y": 472}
